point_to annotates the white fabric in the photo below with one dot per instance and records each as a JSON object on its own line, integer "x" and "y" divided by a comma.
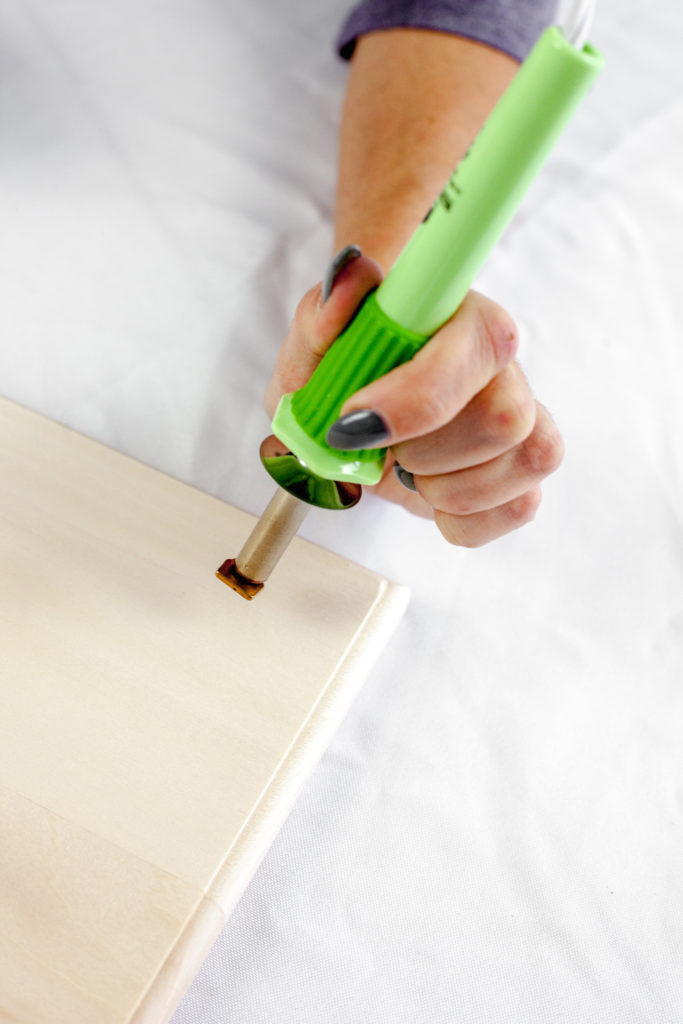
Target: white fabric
{"x": 495, "y": 834}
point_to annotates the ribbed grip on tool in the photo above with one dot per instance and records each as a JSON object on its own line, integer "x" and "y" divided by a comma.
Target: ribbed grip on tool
{"x": 369, "y": 347}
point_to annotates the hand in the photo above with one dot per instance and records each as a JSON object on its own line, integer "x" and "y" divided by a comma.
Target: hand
{"x": 462, "y": 425}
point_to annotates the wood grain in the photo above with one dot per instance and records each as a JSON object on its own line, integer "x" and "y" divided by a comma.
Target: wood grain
{"x": 154, "y": 728}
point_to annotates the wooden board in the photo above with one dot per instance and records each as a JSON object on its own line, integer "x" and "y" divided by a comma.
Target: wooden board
{"x": 154, "y": 727}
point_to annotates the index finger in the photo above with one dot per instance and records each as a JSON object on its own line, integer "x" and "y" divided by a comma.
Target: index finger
{"x": 456, "y": 364}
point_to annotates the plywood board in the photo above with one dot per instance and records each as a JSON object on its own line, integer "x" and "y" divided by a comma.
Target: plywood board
{"x": 155, "y": 728}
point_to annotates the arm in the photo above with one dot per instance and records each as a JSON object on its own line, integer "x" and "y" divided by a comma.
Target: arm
{"x": 469, "y": 443}
{"x": 415, "y": 101}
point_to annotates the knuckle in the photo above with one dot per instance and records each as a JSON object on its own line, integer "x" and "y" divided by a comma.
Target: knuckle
{"x": 511, "y": 417}
{"x": 523, "y": 509}
{"x": 431, "y": 403}
{"x": 459, "y": 504}
{"x": 498, "y": 332}
{"x": 543, "y": 452}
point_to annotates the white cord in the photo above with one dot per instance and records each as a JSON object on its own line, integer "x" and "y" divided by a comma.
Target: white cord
{"x": 576, "y": 18}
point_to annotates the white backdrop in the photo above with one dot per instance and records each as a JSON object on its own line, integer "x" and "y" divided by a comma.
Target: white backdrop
{"x": 495, "y": 833}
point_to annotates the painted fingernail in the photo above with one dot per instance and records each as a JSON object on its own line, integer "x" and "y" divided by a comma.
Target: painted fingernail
{"x": 361, "y": 428}
{"x": 341, "y": 260}
{"x": 404, "y": 477}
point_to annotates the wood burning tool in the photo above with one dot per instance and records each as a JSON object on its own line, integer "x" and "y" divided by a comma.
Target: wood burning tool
{"x": 421, "y": 292}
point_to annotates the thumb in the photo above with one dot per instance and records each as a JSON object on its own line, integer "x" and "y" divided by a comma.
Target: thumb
{"x": 427, "y": 392}
{"x": 320, "y": 317}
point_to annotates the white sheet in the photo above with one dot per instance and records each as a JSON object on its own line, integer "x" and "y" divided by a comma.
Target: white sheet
{"x": 495, "y": 834}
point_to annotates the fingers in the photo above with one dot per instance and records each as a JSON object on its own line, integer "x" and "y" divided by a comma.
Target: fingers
{"x": 316, "y": 324}
{"x": 475, "y": 530}
{"x": 468, "y": 531}
{"x": 501, "y": 480}
{"x": 390, "y": 489}
{"x": 426, "y": 393}
{"x": 459, "y": 417}
{"x": 501, "y": 416}
{"x": 483, "y": 502}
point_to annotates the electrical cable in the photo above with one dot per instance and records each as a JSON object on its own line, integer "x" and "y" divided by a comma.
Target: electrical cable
{"x": 576, "y": 19}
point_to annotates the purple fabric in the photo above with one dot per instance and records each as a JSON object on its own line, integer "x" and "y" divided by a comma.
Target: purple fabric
{"x": 512, "y": 26}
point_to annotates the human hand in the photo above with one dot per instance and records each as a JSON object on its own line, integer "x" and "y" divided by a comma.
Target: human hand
{"x": 468, "y": 443}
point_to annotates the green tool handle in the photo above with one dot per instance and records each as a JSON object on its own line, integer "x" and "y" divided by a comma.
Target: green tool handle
{"x": 434, "y": 272}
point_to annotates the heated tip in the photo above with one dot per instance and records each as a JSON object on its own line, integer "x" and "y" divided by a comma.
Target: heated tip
{"x": 264, "y": 546}
{"x": 230, "y": 574}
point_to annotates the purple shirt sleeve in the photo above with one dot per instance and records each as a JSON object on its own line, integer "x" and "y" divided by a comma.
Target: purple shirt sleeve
{"x": 512, "y": 26}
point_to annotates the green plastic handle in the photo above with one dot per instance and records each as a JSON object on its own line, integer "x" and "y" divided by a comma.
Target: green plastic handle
{"x": 434, "y": 272}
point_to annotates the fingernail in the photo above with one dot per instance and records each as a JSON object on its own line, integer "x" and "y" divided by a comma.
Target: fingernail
{"x": 343, "y": 257}
{"x": 404, "y": 477}
{"x": 361, "y": 428}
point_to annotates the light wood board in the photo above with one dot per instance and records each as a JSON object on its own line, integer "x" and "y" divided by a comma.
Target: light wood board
{"x": 155, "y": 728}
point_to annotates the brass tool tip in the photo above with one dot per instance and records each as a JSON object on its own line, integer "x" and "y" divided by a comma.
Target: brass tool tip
{"x": 230, "y": 575}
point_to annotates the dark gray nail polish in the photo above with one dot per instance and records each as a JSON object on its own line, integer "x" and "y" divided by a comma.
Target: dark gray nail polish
{"x": 404, "y": 477}
{"x": 343, "y": 257}
{"x": 362, "y": 428}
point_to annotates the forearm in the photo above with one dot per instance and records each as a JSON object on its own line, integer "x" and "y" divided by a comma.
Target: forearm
{"x": 415, "y": 101}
